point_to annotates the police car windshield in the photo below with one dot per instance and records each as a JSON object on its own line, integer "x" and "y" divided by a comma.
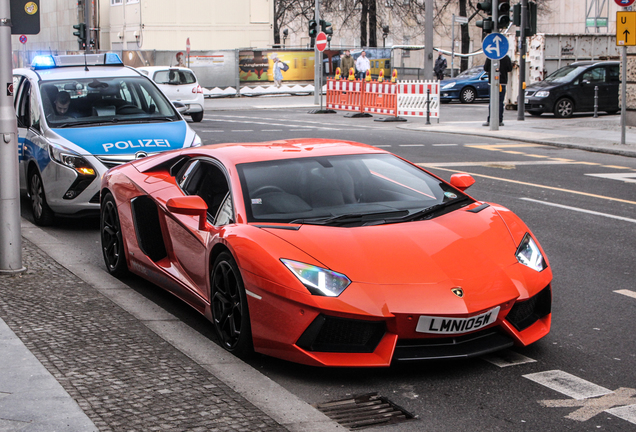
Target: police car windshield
{"x": 82, "y": 102}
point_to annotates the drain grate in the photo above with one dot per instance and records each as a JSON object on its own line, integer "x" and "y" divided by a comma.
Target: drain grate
{"x": 364, "y": 411}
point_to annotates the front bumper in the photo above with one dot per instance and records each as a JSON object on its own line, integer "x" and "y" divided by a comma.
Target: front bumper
{"x": 543, "y": 105}
{"x": 449, "y": 95}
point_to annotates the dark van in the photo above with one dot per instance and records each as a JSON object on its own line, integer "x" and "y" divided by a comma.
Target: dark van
{"x": 571, "y": 89}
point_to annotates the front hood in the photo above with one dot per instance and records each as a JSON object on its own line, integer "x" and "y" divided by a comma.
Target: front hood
{"x": 126, "y": 139}
{"x": 458, "y": 246}
{"x": 542, "y": 85}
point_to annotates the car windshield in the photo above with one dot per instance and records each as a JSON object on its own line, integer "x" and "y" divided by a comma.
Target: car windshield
{"x": 111, "y": 100}
{"x": 565, "y": 74}
{"x": 348, "y": 190}
{"x": 472, "y": 72}
{"x": 174, "y": 77}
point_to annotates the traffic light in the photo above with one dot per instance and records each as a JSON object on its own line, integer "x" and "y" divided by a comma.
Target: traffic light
{"x": 503, "y": 14}
{"x": 80, "y": 33}
{"x": 325, "y": 26}
{"x": 531, "y": 27}
{"x": 313, "y": 31}
{"x": 486, "y": 24}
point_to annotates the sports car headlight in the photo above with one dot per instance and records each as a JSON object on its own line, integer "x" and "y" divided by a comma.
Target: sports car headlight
{"x": 317, "y": 280}
{"x": 528, "y": 254}
{"x": 71, "y": 159}
{"x": 196, "y": 142}
{"x": 448, "y": 86}
{"x": 542, "y": 94}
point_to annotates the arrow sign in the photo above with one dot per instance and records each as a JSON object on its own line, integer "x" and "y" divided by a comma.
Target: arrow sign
{"x": 625, "y": 26}
{"x": 495, "y": 46}
{"x": 321, "y": 41}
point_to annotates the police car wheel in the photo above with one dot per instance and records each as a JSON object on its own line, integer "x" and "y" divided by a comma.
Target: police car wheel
{"x": 197, "y": 117}
{"x": 42, "y": 213}
{"x": 112, "y": 243}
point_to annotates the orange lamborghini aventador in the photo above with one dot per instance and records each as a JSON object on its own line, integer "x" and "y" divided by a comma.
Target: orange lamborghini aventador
{"x": 327, "y": 253}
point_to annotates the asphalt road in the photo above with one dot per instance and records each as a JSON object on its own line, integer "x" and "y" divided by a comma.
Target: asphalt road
{"x": 581, "y": 211}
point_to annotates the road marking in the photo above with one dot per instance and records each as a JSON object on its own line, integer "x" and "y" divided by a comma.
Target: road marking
{"x": 626, "y": 177}
{"x": 211, "y": 130}
{"x": 271, "y": 130}
{"x": 498, "y": 147}
{"x": 507, "y": 358}
{"x": 444, "y": 145}
{"x": 621, "y": 400}
{"x": 411, "y": 145}
{"x": 496, "y": 163}
{"x": 626, "y": 292}
{"x": 615, "y": 166}
{"x": 625, "y": 412}
{"x": 383, "y": 145}
{"x": 243, "y": 130}
{"x": 568, "y": 384}
{"x": 533, "y": 185}
{"x": 580, "y": 210}
{"x": 298, "y": 130}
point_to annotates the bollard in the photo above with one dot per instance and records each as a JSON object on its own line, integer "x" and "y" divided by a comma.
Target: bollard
{"x": 428, "y": 106}
{"x": 595, "y": 101}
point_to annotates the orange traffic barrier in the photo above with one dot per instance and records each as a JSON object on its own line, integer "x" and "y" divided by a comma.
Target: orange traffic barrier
{"x": 344, "y": 95}
{"x": 380, "y": 98}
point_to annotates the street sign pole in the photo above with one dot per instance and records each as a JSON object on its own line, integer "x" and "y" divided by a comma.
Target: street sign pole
{"x": 623, "y": 93}
{"x": 521, "y": 99}
{"x": 625, "y": 36}
{"x": 494, "y": 80}
{"x": 10, "y": 230}
{"x": 317, "y": 65}
{"x": 453, "y": 48}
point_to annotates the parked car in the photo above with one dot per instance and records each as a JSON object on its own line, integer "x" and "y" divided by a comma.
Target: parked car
{"x": 571, "y": 89}
{"x": 179, "y": 84}
{"x": 466, "y": 87}
{"x": 328, "y": 253}
{"x": 78, "y": 116}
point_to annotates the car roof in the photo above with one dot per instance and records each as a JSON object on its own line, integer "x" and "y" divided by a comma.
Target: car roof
{"x": 79, "y": 72}
{"x": 595, "y": 62}
{"x": 158, "y": 68}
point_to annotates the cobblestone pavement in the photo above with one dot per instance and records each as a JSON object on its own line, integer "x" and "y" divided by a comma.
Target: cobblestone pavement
{"x": 122, "y": 375}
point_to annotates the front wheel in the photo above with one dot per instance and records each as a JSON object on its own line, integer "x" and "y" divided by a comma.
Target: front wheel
{"x": 468, "y": 95}
{"x": 112, "y": 243}
{"x": 564, "y": 108}
{"x": 197, "y": 117}
{"x": 230, "y": 315}
{"x": 42, "y": 213}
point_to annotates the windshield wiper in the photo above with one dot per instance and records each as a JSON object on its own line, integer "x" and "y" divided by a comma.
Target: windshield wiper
{"x": 430, "y": 212}
{"x": 347, "y": 218}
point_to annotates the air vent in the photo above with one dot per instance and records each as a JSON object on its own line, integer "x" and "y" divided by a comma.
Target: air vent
{"x": 364, "y": 411}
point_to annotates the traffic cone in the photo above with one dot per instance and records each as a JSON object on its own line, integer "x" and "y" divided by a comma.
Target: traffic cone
{"x": 337, "y": 73}
{"x": 352, "y": 74}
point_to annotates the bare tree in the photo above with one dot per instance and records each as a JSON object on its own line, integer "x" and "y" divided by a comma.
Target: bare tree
{"x": 288, "y": 12}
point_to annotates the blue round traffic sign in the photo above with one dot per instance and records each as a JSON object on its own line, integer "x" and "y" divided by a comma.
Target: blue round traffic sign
{"x": 495, "y": 46}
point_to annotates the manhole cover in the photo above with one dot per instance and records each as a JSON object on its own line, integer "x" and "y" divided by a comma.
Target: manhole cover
{"x": 364, "y": 411}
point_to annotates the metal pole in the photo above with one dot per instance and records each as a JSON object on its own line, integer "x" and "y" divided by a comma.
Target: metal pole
{"x": 87, "y": 20}
{"x": 623, "y": 92}
{"x": 428, "y": 40}
{"x": 453, "y": 48}
{"x": 10, "y": 230}
{"x": 320, "y": 80}
{"x": 595, "y": 101}
{"x": 428, "y": 106}
{"x": 494, "y": 79}
{"x": 317, "y": 65}
{"x": 521, "y": 99}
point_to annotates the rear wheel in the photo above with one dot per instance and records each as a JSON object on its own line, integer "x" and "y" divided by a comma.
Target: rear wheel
{"x": 230, "y": 315}
{"x": 467, "y": 95}
{"x": 197, "y": 117}
{"x": 112, "y": 243}
{"x": 564, "y": 108}
{"x": 42, "y": 213}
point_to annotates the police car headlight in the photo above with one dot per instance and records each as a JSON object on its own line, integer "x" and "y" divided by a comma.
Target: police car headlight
{"x": 528, "y": 254}
{"x": 196, "y": 142}
{"x": 542, "y": 94}
{"x": 71, "y": 159}
{"x": 448, "y": 86}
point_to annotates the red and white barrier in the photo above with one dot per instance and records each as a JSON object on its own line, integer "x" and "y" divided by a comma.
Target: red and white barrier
{"x": 412, "y": 97}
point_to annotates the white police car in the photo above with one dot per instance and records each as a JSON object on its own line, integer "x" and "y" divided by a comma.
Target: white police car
{"x": 78, "y": 116}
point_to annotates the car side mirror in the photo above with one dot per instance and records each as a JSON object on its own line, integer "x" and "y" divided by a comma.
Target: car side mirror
{"x": 189, "y": 205}
{"x": 585, "y": 82}
{"x": 180, "y": 106}
{"x": 462, "y": 181}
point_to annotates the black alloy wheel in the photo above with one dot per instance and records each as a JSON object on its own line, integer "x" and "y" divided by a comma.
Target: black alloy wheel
{"x": 467, "y": 95}
{"x": 230, "y": 314}
{"x": 42, "y": 213}
{"x": 112, "y": 244}
{"x": 564, "y": 108}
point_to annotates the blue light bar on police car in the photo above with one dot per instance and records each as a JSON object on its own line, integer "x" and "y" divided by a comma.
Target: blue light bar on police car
{"x": 49, "y": 61}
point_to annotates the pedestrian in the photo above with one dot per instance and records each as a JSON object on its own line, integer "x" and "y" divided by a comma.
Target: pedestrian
{"x": 440, "y": 67}
{"x": 278, "y": 72}
{"x": 362, "y": 65}
{"x": 505, "y": 67}
{"x": 346, "y": 63}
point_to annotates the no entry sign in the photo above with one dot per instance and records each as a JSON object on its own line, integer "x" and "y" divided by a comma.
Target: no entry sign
{"x": 321, "y": 41}
{"x": 624, "y": 3}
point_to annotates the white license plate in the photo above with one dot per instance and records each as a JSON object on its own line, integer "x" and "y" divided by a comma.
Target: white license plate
{"x": 447, "y": 325}
{"x": 527, "y": 101}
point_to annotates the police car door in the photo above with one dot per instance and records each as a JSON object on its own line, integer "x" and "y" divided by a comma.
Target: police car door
{"x": 31, "y": 143}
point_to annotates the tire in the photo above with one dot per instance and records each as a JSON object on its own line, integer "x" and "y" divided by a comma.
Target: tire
{"x": 112, "y": 243}
{"x": 467, "y": 95}
{"x": 197, "y": 117}
{"x": 42, "y": 213}
{"x": 564, "y": 108}
{"x": 535, "y": 113}
{"x": 612, "y": 112}
{"x": 230, "y": 314}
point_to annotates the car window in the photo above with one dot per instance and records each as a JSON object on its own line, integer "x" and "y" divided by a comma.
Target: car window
{"x": 472, "y": 72}
{"x": 595, "y": 75}
{"x": 565, "y": 74}
{"x": 175, "y": 77}
{"x": 209, "y": 182}
{"x": 105, "y": 100}
{"x": 614, "y": 74}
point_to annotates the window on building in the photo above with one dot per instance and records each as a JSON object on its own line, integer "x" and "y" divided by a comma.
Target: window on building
{"x": 116, "y": 2}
